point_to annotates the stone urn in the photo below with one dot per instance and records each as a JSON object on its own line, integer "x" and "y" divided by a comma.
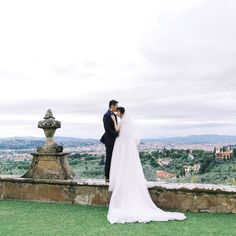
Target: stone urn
{"x": 49, "y": 162}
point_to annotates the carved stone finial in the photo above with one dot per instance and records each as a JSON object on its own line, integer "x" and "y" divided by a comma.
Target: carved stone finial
{"x": 49, "y": 162}
{"x": 49, "y": 121}
{"x": 49, "y": 126}
{"x": 48, "y": 114}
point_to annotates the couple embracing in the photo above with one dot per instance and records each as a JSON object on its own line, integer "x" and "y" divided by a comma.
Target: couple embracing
{"x": 130, "y": 200}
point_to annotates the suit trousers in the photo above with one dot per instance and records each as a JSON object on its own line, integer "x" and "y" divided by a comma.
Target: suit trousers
{"x": 109, "y": 150}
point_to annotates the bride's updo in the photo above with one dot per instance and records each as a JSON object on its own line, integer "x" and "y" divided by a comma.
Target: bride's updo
{"x": 121, "y": 110}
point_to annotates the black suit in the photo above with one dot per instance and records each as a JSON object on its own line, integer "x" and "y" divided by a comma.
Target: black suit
{"x": 108, "y": 139}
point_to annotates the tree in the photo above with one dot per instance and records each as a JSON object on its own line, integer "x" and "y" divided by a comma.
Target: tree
{"x": 102, "y": 162}
{"x": 182, "y": 172}
{"x": 153, "y": 162}
{"x": 234, "y": 152}
{"x": 214, "y": 151}
{"x": 155, "y": 154}
{"x": 208, "y": 162}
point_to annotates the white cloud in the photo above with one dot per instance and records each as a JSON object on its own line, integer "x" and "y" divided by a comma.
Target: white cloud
{"x": 171, "y": 63}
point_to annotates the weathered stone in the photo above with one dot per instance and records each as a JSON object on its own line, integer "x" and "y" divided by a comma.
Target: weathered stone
{"x": 101, "y": 197}
{"x": 231, "y": 203}
{"x": 49, "y": 162}
{"x": 95, "y": 192}
{"x": 49, "y": 122}
{"x": 49, "y": 167}
{"x": 166, "y": 200}
{"x": 184, "y": 201}
{"x": 219, "y": 209}
{"x": 1, "y": 189}
{"x": 84, "y": 195}
{"x": 41, "y": 192}
{"x": 175, "y": 200}
{"x": 201, "y": 202}
{"x": 54, "y": 193}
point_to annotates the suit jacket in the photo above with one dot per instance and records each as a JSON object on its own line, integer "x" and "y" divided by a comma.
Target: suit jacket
{"x": 110, "y": 134}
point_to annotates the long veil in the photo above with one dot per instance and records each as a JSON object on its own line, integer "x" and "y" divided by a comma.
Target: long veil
{"x": 130, "y": 128}
{"x": 131, "y": 200}
{"x": 125, "y": 149}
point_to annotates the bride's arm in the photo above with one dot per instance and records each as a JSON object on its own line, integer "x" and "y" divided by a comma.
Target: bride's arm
{"x": 117, "y": 126}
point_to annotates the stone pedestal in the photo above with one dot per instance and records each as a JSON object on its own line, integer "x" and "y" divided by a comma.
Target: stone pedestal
{"x": 49, "y": 166}
{"x": 49, "y": 162}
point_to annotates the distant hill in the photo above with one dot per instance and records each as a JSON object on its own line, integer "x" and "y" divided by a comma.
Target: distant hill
{"x": 33, "y": 142}
{"x": 195, "y": 139}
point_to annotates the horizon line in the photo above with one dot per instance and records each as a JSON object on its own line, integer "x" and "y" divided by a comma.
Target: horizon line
{"x": 161, "y": 137}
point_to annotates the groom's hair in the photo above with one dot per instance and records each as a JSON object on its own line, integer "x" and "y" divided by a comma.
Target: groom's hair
{"x": 121, "y": 109}
{"x": 112, "y": 102}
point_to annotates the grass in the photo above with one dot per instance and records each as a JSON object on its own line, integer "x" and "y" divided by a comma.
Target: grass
{"x": 34, "y": 218}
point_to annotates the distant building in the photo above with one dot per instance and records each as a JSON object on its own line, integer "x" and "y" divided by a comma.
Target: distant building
{"x": 195, "y": 168}
{"x": 190, "y": 156}
{"x": 227, "y": 154}
{"x": 161, "y": 174}
{"x": 164, "y": 162}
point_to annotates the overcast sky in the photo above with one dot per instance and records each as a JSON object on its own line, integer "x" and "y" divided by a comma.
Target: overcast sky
{"x": 172, "y": 64}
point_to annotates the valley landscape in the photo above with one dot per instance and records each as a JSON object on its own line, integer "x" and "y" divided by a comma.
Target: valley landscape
{"x": 190, "y": 159}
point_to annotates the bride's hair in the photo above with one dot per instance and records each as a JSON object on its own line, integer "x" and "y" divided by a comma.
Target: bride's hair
{"x": 121, "y": 109}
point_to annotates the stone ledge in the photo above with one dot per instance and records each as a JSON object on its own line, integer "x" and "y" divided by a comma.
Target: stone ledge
{"x": 203, "y": 188}
{"x": 207, "y": 188}
{"x": 18, "y": 179}
{"x": 182, "y": 197}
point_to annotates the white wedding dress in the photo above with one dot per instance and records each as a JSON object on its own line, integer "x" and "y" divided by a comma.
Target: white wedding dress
{"x": 130, "y": 200}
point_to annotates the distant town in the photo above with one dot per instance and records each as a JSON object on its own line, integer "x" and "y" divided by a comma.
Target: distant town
{"x": 19, "y": 148}
{"x": 198, "y": 159}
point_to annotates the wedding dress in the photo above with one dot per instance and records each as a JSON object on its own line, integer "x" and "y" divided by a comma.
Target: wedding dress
{"x": 130, "y": 200}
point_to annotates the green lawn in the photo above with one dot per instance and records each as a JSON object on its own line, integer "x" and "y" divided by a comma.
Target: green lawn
{"x": 33, "y": 218}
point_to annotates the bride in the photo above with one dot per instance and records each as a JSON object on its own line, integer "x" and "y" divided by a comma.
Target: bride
{"x": 130, "y": 200}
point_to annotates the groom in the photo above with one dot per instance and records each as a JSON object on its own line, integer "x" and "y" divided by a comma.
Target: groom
{"x": 109, "y": 136}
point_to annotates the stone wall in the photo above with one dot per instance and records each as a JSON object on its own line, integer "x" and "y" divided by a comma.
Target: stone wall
{"x": 181, "y": 197}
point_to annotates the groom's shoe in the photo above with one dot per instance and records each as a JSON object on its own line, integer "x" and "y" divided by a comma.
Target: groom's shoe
{"x": 107, "y": 180}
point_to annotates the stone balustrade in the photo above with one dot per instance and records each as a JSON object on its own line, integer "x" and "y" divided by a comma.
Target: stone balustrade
{"x": 181, "y": 197}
